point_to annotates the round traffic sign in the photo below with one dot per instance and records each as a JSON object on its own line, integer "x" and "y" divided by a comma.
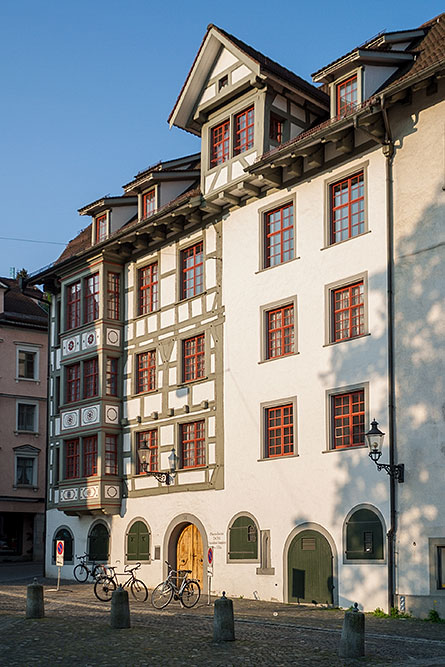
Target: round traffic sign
{"x": 210, "y": 555}
{"x": 60, "y": 547}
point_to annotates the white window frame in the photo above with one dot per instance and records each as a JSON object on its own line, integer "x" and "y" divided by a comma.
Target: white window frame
{"x": 26, "y": 452}
{"x": 23, "y": 347}
{"x": 35, "y": 431}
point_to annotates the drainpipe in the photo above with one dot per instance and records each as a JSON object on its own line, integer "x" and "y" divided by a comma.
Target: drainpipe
{"x": 388, "y": 152}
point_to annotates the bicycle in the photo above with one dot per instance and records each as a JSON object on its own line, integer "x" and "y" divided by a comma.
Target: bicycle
{"x": 103, "y": 588}
{"x": 188, "y": 592}
{"x": 82, "y": 571}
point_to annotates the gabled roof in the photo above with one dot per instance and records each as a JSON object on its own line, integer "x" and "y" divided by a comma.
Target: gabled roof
{"x": 261, "y": 66}
{"x": 20, "y": 309}
{"x": 179, "y": 167}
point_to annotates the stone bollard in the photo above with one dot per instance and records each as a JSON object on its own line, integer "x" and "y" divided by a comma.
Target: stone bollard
{"x": 34, "y": 601}
{"x": 120, "y": 610}
{"x": 223, "y": 625}
{"x": 352, "y": 642}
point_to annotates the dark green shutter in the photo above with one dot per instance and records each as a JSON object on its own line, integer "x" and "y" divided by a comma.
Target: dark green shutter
{"x": 243, "y": 539}
{"x": 138, "y": 542}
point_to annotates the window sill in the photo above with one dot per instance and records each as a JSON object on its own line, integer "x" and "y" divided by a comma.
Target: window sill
{"x": 268, "y": 268}
{"x": 36, "y": 380}
{"x": 26, "y": 432}
{"x": 142, "y": 315}
{"x": 30, "y": 487}
{"x": 242, "y": 561}
{"x": 351, "y": 238}
{"x": 187, "y": 383}
{"x": 283, "y": 356}
{"x": 346, "y": 340}
{"x": 265, "y": 570}
{"x": 278, "y": 458}
{"x": 364, "y": 561}
{"x": 185, "y": 299}
{"x": 343, "y": 449}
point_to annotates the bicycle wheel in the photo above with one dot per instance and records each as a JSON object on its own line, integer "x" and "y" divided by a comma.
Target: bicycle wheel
{"x": 100, "y": 572}
{"x": 161, "y": 595}
{"x": 80, "y": 573}
{"x": 139, "y": 590}
{"x": 190, "y": 594}
{"x": 103, "y": 589}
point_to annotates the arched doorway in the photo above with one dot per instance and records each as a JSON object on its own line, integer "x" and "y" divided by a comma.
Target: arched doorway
{"x": 310, "y": 570}
{"x": 189, "y": 551}
{"x": 99, "y": 543}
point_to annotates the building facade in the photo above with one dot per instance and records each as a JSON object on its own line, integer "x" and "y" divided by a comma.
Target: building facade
{"x": 236, "y": 313}
{"x": 23, "y": 416}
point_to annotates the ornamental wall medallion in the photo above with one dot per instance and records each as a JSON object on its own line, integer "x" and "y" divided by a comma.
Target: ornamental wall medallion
{"x": 71, "y": 345}
{"x": 113, "y": 336}
{"x": 90, "y": 415}
{"x": 111, "y": 492}
{"x": 88, "y": 492}
{"x": 68, "y": 495}
{"x": 70, "y": 420}
{"x": 111, "y": 414}
{"x": 90, "y": 339}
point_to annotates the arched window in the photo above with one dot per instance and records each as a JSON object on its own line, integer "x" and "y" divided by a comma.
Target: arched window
{"x": 243, "y": 539}
{"x": 138, "y": 542}
{"x": 65, "y": 535}
{"x": 364, "y": 536}
{"x": 98, "y": 542}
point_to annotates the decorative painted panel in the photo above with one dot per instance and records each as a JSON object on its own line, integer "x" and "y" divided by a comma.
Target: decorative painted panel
{"x": 87, "y": 492}
{"x": 68, "y": 495}
{"x": 113, "y": 337}
{"x": 111, "y": 492}
{"x": 90, "y": 415}
{"x": 70, "y": 420}
{"x": 111, "y": 414}
{"x": 90, "y": 339}
{"x": 71, "y": 345}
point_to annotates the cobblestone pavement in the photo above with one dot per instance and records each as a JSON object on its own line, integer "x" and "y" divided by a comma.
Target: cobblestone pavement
{"x": 76, "y": 631}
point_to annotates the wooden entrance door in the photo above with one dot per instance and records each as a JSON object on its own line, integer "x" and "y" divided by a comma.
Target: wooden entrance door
{"x": 189, "y": 555}
{"x": 310, "y": 569}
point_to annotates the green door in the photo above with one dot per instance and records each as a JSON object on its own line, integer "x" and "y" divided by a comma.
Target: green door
{"x": 310, "y": 569}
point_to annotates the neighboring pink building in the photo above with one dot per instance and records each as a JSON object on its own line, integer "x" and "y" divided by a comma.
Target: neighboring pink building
{"x": 23, "y": 419}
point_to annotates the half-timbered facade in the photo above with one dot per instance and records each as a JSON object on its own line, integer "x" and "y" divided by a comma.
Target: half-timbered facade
{"x": 233, "y": 314}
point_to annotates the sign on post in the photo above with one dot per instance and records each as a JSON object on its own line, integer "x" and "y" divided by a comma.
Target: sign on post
{"x": 60, "y": 552}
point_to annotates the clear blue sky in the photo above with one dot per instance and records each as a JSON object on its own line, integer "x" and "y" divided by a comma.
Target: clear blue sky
{"x": 87, "y": 87}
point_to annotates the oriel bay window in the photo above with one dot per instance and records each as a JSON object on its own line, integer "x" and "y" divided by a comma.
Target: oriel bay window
{"x": 279, "y": 235}
{"x": 192, "y": 437}
{"x": 90, "y": 456}
{"x": 148, "y": 289}
{"x": 72, "y": 393}
{"x": 90, "y": 378}
{"x": 113, "y": 296}
{"x": 348, "y": 419}
{"x": 192, "y": 271}
{"x": 91, "y": 298}
{"x": 347, "y": 208}
{"x": 150, "y": 440}
{"x": 111, "y": 376}
{"x": 73, "y": 305}
{"x": 110, "y": 454}
{"x": 72, "y": 458}
{"x": 193, "y": 358}
{"x": 146, "y": 371}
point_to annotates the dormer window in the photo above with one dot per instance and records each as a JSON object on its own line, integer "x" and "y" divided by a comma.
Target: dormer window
{"x": 149, "y": 203}
{"x": 101, "y": 228}
{"x": 244, "y": 126}
{"x": 220, "y": 143}
{"x": 347, "y": 95}
{"x": 276, "y": 128}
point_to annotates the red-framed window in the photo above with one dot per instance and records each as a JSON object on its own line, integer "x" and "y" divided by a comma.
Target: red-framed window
{"x": 111, "y": 376}
{"x": 280, "y": 331}
{"x": 72, "y": 458}
{"x": 72, "y": 393}
{"x": 150, "y": 439}
{"x": 348, "y": 312}
{"x": 113, "y": 295}
{"x": 146, "y": 371}
{"x": 148, "y": 289}
{"x": 73, "y": 305}
{"x": 347, "y": 95}
{"x": 92, "y": 298}
{"x": 220, "y": 143}
{"x": 90, "y": 378}
{"x": 193, "y": 358}
{"x": 192, "y": 271}
{"x": 90, "y": 456}
{"x": 279, "y": 430}
{"x": 279, "y": 235}
{"x": 101, "y": 228}
{"x": 276, "y": 127}
{"x": 149, "y": 203}
{"x": 244, "y": 124}
{"x": 193, "y": 444}
{"x": 110, "y": 454}
{"x": 348, "y": 419}
{"x": 348, "y": 208}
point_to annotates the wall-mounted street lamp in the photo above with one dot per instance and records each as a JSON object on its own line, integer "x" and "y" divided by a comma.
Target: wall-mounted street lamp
{"x": 163, "y": 477}
{"x": 374, "y": 438}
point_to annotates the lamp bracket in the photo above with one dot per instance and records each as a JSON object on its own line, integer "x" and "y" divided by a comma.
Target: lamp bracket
{"x": 397, "y": 471}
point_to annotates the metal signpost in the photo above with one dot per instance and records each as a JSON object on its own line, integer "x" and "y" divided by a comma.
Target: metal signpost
{"x": 60, "y": 553}
{"x": 209, "y": 571}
